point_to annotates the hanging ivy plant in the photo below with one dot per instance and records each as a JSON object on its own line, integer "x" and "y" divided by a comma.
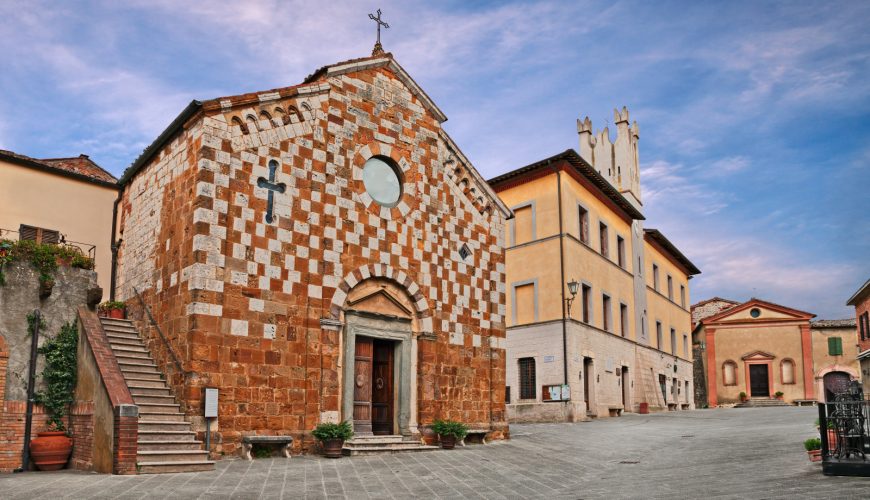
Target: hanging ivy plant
{"x": 59, "y": 374}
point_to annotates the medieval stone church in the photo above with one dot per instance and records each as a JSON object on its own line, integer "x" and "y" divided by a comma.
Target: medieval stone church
{"x": 317, "y": 253}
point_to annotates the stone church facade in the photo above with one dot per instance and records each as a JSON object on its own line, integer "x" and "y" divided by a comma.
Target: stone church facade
{"x": 320, "y": 252}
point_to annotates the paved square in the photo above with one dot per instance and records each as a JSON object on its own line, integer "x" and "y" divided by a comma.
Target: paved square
{"x": 728, "y": 453}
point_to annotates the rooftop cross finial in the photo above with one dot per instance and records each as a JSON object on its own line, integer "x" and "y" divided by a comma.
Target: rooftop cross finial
{"x": 377, "y": 19}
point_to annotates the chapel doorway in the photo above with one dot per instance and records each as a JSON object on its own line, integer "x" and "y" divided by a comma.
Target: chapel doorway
{"x": 373, "y": 398}
{"x": 759, "y": 381}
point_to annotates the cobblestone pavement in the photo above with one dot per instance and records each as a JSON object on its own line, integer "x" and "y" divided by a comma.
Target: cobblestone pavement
{"x": 725, "y": 453}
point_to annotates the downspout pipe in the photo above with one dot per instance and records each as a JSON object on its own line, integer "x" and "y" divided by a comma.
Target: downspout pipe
{"x": 562, "y": 274}
{"x": 115, "y": 244}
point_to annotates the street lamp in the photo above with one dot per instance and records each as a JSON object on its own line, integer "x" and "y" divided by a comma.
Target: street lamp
{"x": 572, "y": 289}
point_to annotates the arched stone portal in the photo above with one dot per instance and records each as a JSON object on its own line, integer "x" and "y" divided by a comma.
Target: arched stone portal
{"x": 379, "y": 351}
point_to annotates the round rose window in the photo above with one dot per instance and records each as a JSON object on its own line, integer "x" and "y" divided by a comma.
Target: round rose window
{"x": 382, "y": 182}
{"x": 755, "y": 312}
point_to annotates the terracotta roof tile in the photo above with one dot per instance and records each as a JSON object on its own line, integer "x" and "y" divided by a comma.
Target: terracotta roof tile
{"x": 81, "y": 166}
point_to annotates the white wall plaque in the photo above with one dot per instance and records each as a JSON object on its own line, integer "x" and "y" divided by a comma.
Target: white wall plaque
{"x": 211, "y": 403}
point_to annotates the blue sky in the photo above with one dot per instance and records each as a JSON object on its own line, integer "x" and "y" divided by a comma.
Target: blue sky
{"x": 754, "y": 116}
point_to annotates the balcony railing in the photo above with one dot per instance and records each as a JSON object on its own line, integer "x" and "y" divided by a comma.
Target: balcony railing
{"x": 85, "y": 249}
{"x": 845, "y": 432}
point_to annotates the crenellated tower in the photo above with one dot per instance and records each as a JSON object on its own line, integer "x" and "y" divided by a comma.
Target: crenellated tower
{"x": 616, "y": 161}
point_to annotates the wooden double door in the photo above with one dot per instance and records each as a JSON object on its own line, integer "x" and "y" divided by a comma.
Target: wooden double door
{"x": 373, "y": 397}
{"x": 759, "y": 381}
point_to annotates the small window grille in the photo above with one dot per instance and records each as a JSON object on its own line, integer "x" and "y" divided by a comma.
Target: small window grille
{"x": 464, "y": 252}
{"x": 527, "y": 378}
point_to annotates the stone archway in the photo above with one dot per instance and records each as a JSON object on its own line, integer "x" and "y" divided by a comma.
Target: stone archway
{"x": 381, "y": 320}
{"x": 832, "y": 380}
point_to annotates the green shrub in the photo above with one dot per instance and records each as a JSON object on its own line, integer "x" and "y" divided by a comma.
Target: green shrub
{"x": 742, "y": 395}
{"x": 326, "y": 431}
{"x": 59, "y": 374}
{"x": 778, "y": 394}
{"x": 112, "y": 305}
{"x": 450, "y": 428}
{"x": 813, "y": 444}
{"x": 42, "y": 256}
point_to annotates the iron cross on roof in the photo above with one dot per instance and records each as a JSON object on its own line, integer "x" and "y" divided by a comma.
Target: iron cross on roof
{"x": 272, "y": 187}
{"x": 378, "y": 48}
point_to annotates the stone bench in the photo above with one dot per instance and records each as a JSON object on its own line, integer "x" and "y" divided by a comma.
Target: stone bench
{"x": 248, "y": 443}
{"x": 615, "y": 411}
{"x": 804, "y": 402}
{"x": 479, "y": 435}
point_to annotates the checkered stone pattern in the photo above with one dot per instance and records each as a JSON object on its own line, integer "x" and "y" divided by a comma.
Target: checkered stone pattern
{"x": 244, "y": 299}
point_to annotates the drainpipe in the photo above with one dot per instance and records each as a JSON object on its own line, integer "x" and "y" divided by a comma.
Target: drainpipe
{"x": 562, "y": 281}
{"x": 114, "y": 245}
{"x": 31, "y": 381}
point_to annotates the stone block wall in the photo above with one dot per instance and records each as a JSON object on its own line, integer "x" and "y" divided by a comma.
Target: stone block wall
{"x": 244, "y": 301}
{"x": 18, "y": 298}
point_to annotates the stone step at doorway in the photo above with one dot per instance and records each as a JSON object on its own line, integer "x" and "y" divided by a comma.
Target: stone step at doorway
{"x": 761, "y": 403}
{"x": 166, "y": 442}
{"x": 376, "y": 445}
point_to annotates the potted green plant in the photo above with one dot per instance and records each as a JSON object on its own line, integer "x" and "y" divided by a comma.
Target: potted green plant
{"x": 112, "y": 309}
{"x": 449, "y": 431}
{"x": 814, "y": 449}
{"x": 778, "y": 395}
{"x": 333, "y": 436}
{"x": 51, "y": 448}
{"x": 742, "y": 396}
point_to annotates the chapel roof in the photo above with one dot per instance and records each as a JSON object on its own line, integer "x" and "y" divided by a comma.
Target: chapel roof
{"x": 657, "y": 236}
{"x": 80, "y": 167}
{"x": 834, "y": 323}
{"x": 754, "y": 301}
{"x": 579, "y": 166}
{"x": 312, "y": 83}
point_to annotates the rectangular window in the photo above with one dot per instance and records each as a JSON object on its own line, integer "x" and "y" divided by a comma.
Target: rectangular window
{"x": 673, "y": 342}
{"x": 524, "y": 224}
{"x": 620, "y": 251}
{"x": 670, "y": 288}
{"x": 685, "y": 345}
{"x": 586, "y": 297}
{"x": 602, "y": 232}
{"x": 605, "y": 306}
{"x": 507, "y": 395}
{"x": 835, "y": 346}
{"x": 527, "y": 378}
{"x": 584, "y": 224}
{"x": 861, "y": 326}
{"x": 623, "y": 320}
{"x": 655, "y": 277}
{"x": 682, "y": 295}
{"x": 659, "y": 335}
{"x": 38, "y": 234}
{"x": 524, "y": 301}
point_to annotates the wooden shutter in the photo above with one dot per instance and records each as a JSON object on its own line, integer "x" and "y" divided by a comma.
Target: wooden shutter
{"x": 835, "y": 346}
{"x": 38, "y": 234}
{"x": 27, "y": 233}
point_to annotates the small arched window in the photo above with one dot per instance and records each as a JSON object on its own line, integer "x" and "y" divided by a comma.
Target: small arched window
{"x": 787, "y": 371}
{"x": 729, "y": 373}
{"x": 252, "y": 123}
{"x": 237, "y": 122}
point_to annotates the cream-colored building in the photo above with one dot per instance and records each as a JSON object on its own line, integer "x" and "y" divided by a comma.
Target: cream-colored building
{"x": 59, "y": 200}
{"x": 623, "y": 341}
{"x": 760, "y": 348}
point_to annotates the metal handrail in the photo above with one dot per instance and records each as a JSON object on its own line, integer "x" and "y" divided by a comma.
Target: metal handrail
{"x": 159, "y": 331}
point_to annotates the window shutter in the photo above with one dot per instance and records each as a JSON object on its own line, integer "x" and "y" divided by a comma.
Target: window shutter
{"x": 26, "y": 233}
{"x": 50, "y": 237}
{"x": 835, "y": 346}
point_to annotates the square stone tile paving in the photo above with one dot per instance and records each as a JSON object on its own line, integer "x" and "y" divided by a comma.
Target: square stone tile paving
{"x": 724, "y": 453}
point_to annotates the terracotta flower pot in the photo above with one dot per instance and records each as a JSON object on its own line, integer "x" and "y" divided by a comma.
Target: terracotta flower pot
{"x": 51, "y": 450}
{"x": 332, "y": 448}
{"x": 116, "y": 313}
{"x": 815, "y": 455}
{"x": 832, "y": 439}
{"x": 448, "y": 442}
{"x": 430, "y": 438}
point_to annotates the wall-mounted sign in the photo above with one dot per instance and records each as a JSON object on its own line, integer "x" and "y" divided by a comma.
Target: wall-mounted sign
{"x": 211, "y": 402}
{"x": 549, "y": 359}
{"x": 556, "y": 393}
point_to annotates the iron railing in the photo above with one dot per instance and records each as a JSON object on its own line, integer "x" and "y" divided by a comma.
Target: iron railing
{"x": 166, "y": 343}
{"x": 85, "y": 249}
{"x": 844, "y": 428}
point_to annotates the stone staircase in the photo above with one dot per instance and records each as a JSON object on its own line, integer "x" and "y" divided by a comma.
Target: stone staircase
{"x": 166, "y": 442}
{"x": 761, "y": 403}
{"x": 377, "y": 445}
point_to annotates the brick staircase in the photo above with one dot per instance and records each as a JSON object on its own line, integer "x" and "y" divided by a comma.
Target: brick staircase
{"x": 166, "y": 442}
{"x": 378, "y": 445}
